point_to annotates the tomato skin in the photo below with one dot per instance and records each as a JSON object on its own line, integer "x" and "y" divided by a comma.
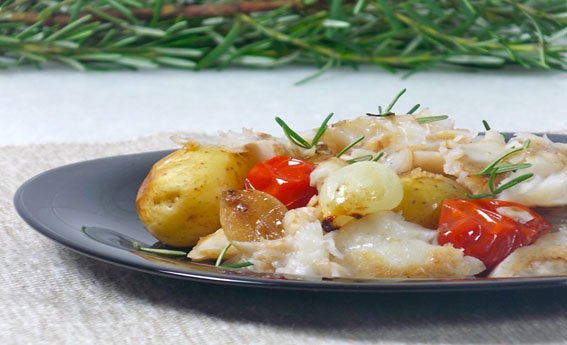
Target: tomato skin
{"x": 285, "y": 178}
{"x": 481, "y": 231}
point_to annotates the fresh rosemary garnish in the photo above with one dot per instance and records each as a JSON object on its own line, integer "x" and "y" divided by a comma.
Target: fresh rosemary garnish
{"x": 360, "y": 159}
{"x": 410, "y": 35}
{"x": 413, "y": 109}
{"x": 349, "y": 146}
{"x": 238, "y": 265}
{"x": 165, "y": 252}
{"x": 495, "y": 168}
{"x": 388, "y": 111}
{"x": 394, "y": 101}
{"x": 486, "y": 125}
{"x": 297, "y": 139}
{"x": 366, "y": 158}
{"x": 378, "y": 156}
{"x": 221, "y": 256}
{"x": 487, "y": 171}
{"x": 429, "y": 119}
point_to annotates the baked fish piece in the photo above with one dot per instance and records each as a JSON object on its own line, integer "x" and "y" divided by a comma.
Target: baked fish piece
{"x": 546, "y": 257}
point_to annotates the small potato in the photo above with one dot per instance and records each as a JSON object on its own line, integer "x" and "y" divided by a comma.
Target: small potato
{"x": 424, "y": 194}
{"x": 360, "y": 189}
{"x": 179, "y": 200}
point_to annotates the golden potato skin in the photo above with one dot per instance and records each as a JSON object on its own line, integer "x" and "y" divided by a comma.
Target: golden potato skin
{"x": 179, "y": 200}
{"x": 424, "y": 194}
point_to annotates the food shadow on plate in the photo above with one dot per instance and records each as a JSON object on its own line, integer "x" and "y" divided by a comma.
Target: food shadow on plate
{"x": 480, "y": 317}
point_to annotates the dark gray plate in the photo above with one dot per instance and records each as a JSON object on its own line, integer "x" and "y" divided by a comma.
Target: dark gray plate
{"x": 89, "y": 207}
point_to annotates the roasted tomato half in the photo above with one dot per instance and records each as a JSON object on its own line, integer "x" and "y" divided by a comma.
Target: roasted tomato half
{"x": 489, "y": 230}
{"x": 285, "y": 178}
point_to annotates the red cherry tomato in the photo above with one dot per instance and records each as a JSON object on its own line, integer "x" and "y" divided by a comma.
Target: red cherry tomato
{"x": 489, "y": 230}
{"x": 286, "y": 178}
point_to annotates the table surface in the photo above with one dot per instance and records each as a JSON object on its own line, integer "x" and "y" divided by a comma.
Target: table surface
{"x": 51, "y": 295}
{"x": 62, "y": 105}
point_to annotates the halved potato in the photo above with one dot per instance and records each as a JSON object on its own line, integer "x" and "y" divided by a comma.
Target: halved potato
{"x": 179, "y": 200}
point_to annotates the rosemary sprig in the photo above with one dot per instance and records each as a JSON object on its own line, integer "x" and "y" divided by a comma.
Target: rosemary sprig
{"x": 388, "y": 111}
{"x": 408, "y": 34}
{"x": 349, "y": 146}
{"x": 495, "y": 168}
{"x": 297, "y": 139}
{"x": 490, "y": 167}
{"x": 220, "y": 259}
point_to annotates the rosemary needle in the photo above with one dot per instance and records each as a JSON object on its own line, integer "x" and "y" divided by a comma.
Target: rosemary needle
{"x": 221, "y": 255}
{"x": 166, "y": 252}
{"x": 429, "y": 119}
{"x": 349, "y": 146}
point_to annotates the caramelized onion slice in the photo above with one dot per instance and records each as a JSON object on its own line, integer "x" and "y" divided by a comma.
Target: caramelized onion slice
{"x": 251, "y": 216}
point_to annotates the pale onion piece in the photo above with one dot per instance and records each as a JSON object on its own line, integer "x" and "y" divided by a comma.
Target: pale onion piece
{"x": 251, "y": 215}
{"x": 210, "y": 247}
{"x": 360, "y": 189}
{"x": 383, "y": 245}
{"x": 546, "y": 257}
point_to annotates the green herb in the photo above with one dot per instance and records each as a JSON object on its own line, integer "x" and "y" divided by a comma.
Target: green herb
{"x": 360, "y": 159}
{"x": 490, "y": 167}
{"x": 239, "y": 265}
{"x": 349, "y": 146}
{"x": 297, "y": 139}
{"x": 429, "y": 119}
{"x": 388, "y": 111}
{"x": 486, "y": 125}
{"x": 412, "y": 110}
{"x": 165, "y": 252}
{"x": 378, "y": 156}
{"x": 408, "y": 34}
{"x": 495, "y": 168}
{"x": 221, "y": 256}
{"x": 366, "y": 158}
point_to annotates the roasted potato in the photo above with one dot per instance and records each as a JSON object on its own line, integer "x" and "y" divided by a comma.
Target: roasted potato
{"x": 424, "y": 194}
{"x": 179, "y": 200}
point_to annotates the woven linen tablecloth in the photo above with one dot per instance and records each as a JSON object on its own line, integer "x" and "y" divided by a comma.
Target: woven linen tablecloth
{"x": 51, "y": 295}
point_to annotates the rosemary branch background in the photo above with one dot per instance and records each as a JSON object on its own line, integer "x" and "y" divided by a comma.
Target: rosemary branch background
{"x": 408, "y": 34}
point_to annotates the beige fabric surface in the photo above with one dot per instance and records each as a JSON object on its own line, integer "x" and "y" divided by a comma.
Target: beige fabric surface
{"x": 51, "y": 295}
